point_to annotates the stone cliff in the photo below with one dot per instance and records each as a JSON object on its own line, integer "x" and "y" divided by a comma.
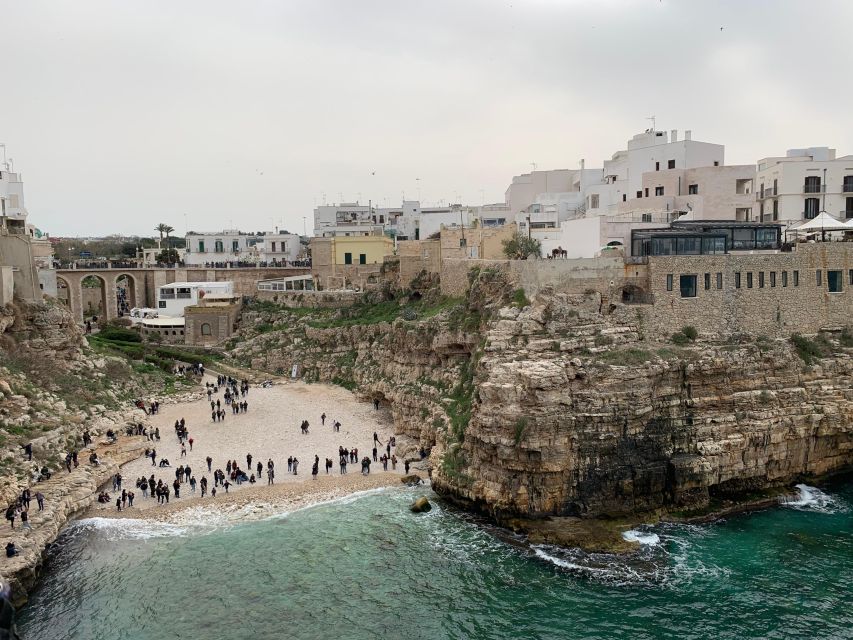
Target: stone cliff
{"x": 564, "y": 406}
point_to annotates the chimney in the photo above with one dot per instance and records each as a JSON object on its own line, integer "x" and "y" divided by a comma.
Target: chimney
{"x": 673, "y": 135}
{"x": 688, "y": 134}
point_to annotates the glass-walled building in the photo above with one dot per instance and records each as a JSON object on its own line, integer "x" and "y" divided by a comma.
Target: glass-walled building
{"x": 705, "y": 238}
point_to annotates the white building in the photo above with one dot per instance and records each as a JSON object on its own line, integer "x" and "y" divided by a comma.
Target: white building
{"x": 232, "y": 245}
{"x": 804, "y": 183}
{"x": 348, "y": 219}
{"x": 173, "y": 298}
{"x": 24, "y": 249}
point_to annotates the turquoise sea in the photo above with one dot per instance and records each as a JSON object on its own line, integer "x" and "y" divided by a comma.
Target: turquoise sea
{"x": 366, "y": 567}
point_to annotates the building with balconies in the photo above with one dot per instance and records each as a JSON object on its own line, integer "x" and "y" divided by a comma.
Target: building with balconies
{"x": 804, "y": 183}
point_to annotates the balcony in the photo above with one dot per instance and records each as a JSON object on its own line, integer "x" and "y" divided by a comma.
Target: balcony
{"x": 814, "y": 188}
{"x": 768, "y": 192}
{"x": 847, "y": 187}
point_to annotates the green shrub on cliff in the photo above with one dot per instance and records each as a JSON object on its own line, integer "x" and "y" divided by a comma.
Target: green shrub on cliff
{"x": 809, "y": 350}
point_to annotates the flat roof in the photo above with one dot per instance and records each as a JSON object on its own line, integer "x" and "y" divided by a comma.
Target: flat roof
{"x": 198, "y": 284}
{"x": 163, "y": 322}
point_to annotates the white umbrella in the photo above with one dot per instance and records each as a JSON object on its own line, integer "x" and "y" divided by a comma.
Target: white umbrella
{"x": 849, "y": 225}
{"x": 823, "y": 222}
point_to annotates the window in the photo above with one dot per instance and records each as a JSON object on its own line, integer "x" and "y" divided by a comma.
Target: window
{"x": 749, "y": 280}
{"x": 657, "y": 166}
{"x": 218, "y": 247}
{"x": 847, "y": 184}
{"x": 201, "y": 246}
{"x": 347, "y": 258}
{"x": 772, "y": 278}
{"x": 707, "y": 281}
{"x": 669, "y": 282}
{"x": 381, "y": 219}
{"x": 687, "y": 285}
{"x": 692, "y": 189}
{"x": 689, "y": 246}
{"x": 646, "y": 192}
{"x": 167, "y": 294}
{"x": 818, "y": 277}
{"x": 639, "y": 194}
{"x": 848, "y": 209}
{"x": 784, "y": 278}
{"x": 362, "y": 258}
{"x": 719, "y": 280}
{"x": 235, "y": 246}
{"x": 811, "y": 208}
{"x": 624, "y": 197}
{"x": 593, "y": 201}
{"x": 812, "y": 184}
{"x": 850, "y": 277}
{"x": 761, "y": 211}
{"x": 670, "y": 164}
{"x": 796, "y": 278}
{"x": 760, "y": 279}
{"x": 835, "y": 280}
{"x": 205, "y": 329}
{"x": 716, "y": 163}
{"x": 272, "y": 246}
{"x": 737, "y": 280}
{"x": 775, "y": 210}
{"x": 184, "y": 293}
{"x": 647, "y": 217}
{"x": 161, "y": 304}
{"x": 658, "y": 191}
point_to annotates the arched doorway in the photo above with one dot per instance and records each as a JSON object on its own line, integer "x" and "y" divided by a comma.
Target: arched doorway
{"x": 125, "y": 294}
{"x": 94, "y": 297}
{"x": 63, "y": 291}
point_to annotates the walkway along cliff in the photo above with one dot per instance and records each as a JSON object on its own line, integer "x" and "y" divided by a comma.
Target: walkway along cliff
{"x": 565, "y": 405}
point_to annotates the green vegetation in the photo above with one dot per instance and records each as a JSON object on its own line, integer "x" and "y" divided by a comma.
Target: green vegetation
{"x": 520, "y": 429}
{"x": 765, "y": 397}
{"x": 846, "y": 338}
{"x": 603, "y": 341}
{"x": 521, "y": 247}
{"x": 810, "y": 350}
{"x": 519, "y": 299}
{"x": 690, "y": 332}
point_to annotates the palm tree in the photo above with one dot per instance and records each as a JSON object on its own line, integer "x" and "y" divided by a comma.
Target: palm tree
{"x": 164, "y": 228}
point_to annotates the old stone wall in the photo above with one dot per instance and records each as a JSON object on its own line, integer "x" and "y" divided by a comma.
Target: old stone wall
{"x": 775, "y": 294}
{"x": 312, "y": 299}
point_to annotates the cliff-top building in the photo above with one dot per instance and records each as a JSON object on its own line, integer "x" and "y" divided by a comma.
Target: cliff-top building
{"x": 804, "y": 183}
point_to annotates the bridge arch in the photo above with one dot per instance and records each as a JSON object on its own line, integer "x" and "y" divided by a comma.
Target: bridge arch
{"x": 127, "y": 293}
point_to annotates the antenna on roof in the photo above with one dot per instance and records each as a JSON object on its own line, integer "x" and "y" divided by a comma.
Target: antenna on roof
{"x": 652, "y": 118}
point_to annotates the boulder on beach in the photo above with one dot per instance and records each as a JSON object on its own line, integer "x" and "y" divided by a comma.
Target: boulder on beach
{"x": 420, "y": 505}
{"x": 411, "y": 480}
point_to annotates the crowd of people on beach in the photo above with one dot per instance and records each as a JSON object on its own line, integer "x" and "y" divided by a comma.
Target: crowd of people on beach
{"x": 227, "y": 391}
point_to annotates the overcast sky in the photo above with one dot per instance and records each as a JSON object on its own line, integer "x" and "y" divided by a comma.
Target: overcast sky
{"x": 123, "y": 114}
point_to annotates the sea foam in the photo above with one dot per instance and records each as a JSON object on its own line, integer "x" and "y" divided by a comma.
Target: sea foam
{"x": 643, "y": 537}
{"x": 813, "y": 499}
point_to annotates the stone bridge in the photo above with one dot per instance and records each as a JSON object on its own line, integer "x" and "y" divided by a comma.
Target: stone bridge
{"x": 140, "y": 284}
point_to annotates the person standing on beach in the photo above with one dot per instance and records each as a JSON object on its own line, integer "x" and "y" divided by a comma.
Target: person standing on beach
{"x": 192, "y": 484}
{"x": 314, "y": 469}
{"x": 374, "y": 455}
{"x": 260, "y": 469}
{"x": 25, "y": 520}
{"x": 289, "y": 464}
{"x": 270, "y": 476}
{"x": 203, "y": 486}
{"x": 323, "y": 419}
{"x": 295, "y": 464}
{"x": 209, "y": 462}
{"x": 40, "y": 500}
{"x": 406, "y": 465}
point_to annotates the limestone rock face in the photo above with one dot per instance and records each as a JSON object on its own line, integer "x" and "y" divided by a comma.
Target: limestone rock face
{"x": 603, "y": 423}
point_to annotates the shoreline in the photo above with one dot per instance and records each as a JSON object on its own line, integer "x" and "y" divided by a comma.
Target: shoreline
{"x": 258, "y": 501}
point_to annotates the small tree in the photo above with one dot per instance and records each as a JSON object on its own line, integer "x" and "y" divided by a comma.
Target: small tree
{"x": 521, "y": 247}
{"x": 168, "y": 256}
{"x": 163, "y": 228}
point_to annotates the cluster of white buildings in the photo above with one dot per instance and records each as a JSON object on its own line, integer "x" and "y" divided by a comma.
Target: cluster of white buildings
{"x": 233, "y": 246}
{"x": 660, "y": 177}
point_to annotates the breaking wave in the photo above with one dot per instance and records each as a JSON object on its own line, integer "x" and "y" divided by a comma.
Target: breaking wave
{"x": 813, "y": 499}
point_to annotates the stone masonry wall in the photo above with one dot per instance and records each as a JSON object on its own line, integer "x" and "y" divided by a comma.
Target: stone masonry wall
{"x": 785, "y": 304}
